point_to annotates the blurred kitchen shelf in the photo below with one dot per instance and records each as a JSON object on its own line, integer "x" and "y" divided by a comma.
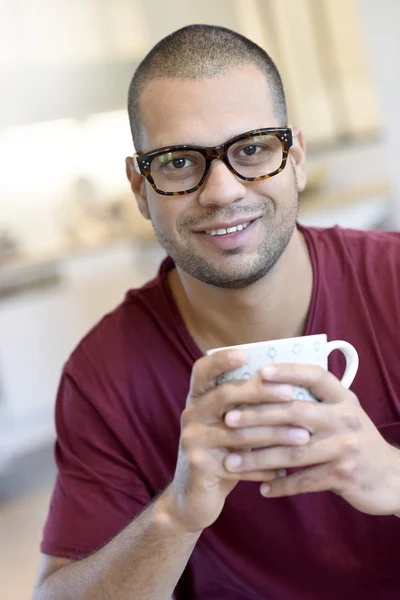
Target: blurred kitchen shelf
{"x": 364, "y": 206}
{"x": 34, "y": 271}
{"x": 27, "y": 275}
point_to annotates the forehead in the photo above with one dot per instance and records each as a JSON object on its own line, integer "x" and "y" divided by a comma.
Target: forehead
{"x": 205, "y": 112}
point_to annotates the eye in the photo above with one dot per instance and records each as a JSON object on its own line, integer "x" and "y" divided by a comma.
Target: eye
{"x": 251, "y": 150}
{"x": 179, "y": 162}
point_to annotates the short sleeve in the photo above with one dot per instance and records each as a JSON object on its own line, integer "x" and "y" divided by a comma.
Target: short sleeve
{"x": 99, "y": 488}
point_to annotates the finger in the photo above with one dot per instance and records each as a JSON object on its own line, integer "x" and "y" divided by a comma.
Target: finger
{"x": 313, "y": 479}
{"x": 313, "y": 416}
{"x": 258, "y": 476}
{"x": 220, "y": 436}
{"x": 224, "y": 397}
{"x": 322, "y": 384}
{"x": 312, "y": 453}
{"x": 208, "y": 368}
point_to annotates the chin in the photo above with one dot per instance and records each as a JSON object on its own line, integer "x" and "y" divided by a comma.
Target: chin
{"x": 239, "y": 274}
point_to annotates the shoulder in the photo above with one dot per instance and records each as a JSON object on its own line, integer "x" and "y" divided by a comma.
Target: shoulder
{"x": 358, "y": 267}
{"x": 364, "y": 247}
{"x": 352, "y": 238}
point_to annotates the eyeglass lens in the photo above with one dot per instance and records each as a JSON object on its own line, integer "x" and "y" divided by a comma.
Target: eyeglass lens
{"x": 181, "y": 170}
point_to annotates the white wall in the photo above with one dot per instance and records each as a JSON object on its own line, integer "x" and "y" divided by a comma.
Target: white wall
{"x": 380, "y": 20}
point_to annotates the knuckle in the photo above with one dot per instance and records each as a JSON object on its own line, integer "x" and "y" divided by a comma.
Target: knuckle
{"x": 277, "y": 434}
{"x": 233, "y": 389}
{"x": 351, "y": 421}
{"x": 238, "y": 436}
{"x": 197, "y": 366}
{"x": 263, "y": 389}
{"x": 295, "y": 453}
{"x": 349, "y": 445}
{"x": 345, "y": 469}
{"x": 198, "y": 458}
{"x": 304, "y": 483}
{"x": 186, "y": 417}
{"x": 196, "y": 371}
{"x": 189, "y": 436}
{"x": 186, "y": 439}
{"x": 257, "y": 461}
{"x": 222, "y": 395}
{"x": 296, "y": 411}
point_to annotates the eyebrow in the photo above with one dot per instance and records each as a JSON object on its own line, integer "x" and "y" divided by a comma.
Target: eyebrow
{"x": 197, "y": 145}
{"x": 191, "y": 145}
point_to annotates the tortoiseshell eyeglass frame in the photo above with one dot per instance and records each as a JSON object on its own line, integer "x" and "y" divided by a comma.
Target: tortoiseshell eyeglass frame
{"x": 143, "y": 162}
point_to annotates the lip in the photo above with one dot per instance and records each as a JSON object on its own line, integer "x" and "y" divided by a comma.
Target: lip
{"x": 226, "y": 224}
{"x": 230, "y": 241}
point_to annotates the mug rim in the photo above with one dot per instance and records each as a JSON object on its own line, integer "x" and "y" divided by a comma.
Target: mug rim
{"x": 265, "y": 342}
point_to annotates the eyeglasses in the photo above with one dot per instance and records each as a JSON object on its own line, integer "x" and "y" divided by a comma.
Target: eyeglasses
{"x": 252, "y": 156}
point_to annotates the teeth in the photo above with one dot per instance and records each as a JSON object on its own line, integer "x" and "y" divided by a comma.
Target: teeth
{"x": 229, "y": 230}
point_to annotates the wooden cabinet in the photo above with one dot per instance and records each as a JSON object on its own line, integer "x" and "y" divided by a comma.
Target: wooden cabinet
{"x": 319, "y": 49}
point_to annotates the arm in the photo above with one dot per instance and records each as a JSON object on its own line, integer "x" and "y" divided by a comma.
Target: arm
{"x": 145, "y": 561}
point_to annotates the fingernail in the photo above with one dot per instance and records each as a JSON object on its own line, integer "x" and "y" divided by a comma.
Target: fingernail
{"x": 269, "y": 371}
{"x": 299, "y": 435}
{"x": 281, "y": 473}
{"x": 233, "y": 417}
{"x": 264, "y": 489}
{"x": 233, "y": 461}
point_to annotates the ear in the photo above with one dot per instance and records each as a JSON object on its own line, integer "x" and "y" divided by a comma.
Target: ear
{"x": 138, "y": 186}
{"x": 298, "y": 157}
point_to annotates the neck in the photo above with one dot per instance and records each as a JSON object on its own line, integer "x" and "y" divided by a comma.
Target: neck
{"x": 274, "y": 307}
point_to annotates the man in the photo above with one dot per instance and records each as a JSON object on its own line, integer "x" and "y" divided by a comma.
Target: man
{"x": 156, "y": 493}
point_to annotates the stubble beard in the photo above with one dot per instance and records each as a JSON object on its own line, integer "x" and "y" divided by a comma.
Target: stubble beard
{"x": 237, "y": 273}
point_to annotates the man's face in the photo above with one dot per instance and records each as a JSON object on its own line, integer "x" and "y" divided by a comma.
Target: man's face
{"x": 208, "y": 113}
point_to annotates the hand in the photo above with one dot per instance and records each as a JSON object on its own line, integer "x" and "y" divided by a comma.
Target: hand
{"x": 346, "y": 453}
{"x": 201, "y": 482}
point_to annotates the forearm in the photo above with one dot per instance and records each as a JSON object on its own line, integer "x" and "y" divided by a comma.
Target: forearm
{"x": 145, "y": 561}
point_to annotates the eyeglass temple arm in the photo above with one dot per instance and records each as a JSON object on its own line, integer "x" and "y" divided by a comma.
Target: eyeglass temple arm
{"x": 135, "y": 157}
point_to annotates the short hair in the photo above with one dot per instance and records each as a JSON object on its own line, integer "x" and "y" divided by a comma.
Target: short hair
{"x": 201, "y": 52}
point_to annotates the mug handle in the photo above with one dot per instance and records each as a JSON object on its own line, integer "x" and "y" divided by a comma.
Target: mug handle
{"x": 352, "y": 360}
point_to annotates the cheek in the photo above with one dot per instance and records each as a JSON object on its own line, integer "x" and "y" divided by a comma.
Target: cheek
{"x": 172, "y": 214}
{"x": 164, "y": 212}
{"x": 279, "y": 190}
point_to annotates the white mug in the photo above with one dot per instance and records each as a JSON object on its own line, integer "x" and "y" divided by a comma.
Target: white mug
{"x": 308, "y": 350}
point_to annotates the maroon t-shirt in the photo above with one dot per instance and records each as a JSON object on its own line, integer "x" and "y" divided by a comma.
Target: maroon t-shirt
{"x": 118, "y": 421}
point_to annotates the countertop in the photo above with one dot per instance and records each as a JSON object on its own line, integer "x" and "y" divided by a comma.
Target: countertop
{"x": 36, "y": 271}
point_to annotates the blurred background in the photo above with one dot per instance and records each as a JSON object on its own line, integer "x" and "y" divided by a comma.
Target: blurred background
{"x": 71, "y": 240}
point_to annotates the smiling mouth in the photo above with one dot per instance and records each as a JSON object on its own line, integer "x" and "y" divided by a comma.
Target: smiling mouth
{"x": 239, "y": 227}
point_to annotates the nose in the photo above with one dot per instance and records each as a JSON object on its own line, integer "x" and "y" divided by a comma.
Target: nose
{"x": 221, "y": 186}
